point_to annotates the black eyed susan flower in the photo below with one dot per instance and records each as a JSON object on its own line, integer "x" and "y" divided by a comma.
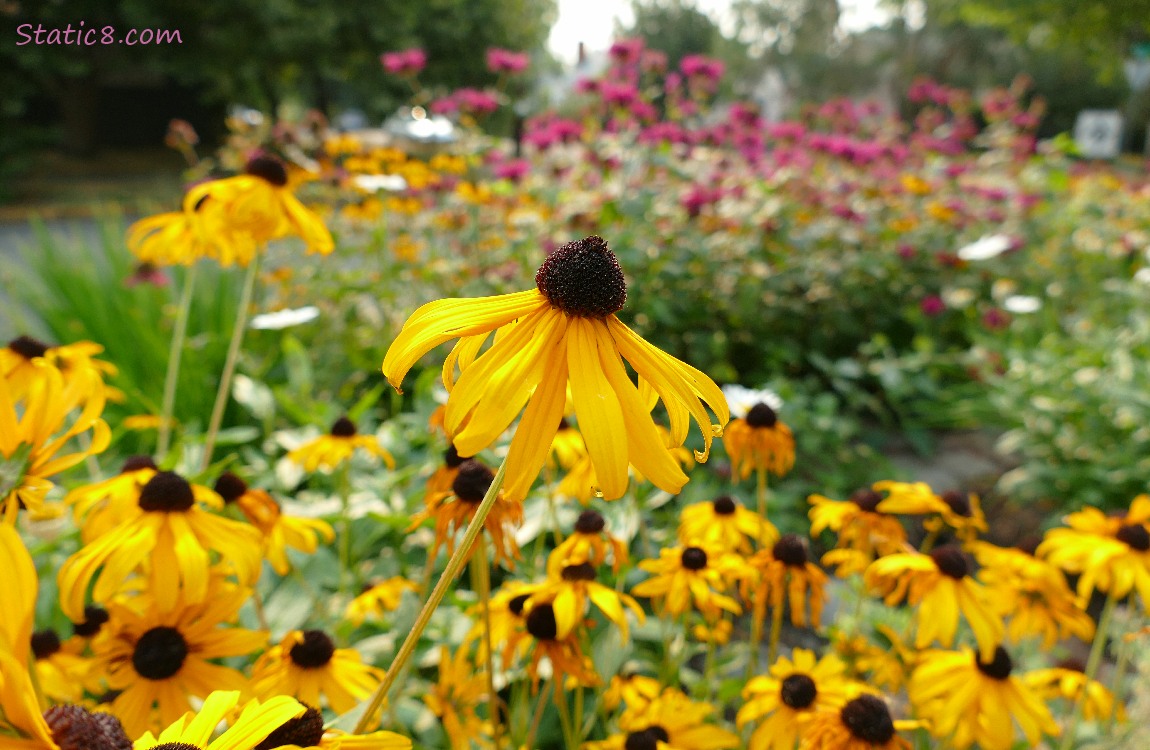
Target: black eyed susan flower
{"x": 83, "y": 375}
{"x": 961, "y": 511}
{"x": 1032, "y": 595}
{"x": 863, "y": 723}
{"x": 1069, "y": 683}
{"x": 756, "y": 439}
{"x": 694, "y": 575}
{"x": 1110, "y": 554}
{"x": 326, "y": 452}
{"x": 172, "y": 537}
{"x": 307, "y": 732}
{"x": 194, "y": 730}
{"x": 454, "y": 698}
{"x": 573, "y": 588}
{"x": 158, "y": 661}
{"x": 100, "y": 507}
{"x": 567, "y": 447}
{"x": 307, "y": 665}
{"x": 61, "y": 674}
{"x": 20, "y": 585}
{"x": 378, "y": 598}
{"x": 792, "y": 688}
{"x": 633, "y": 691}
{"x": 35, "y": 426}
{"x": 970, "y": 700}
{"x": 885, "y": 665}
{"x": 940, "y": 587}
{"x": 860, "y": 527}
{"x": 241, "y": 214}
{"x": 170, "y": 239}
{"x": 786, "y": 573}
{"x": 670, "y": 720}
{"x": 589, "y": 542}
{"x": 454, "y": 510}
{"x": 726, "y": 522}
{"x": 444, "y": 476}
{"x": 539, "y": 637}
{"x": 279, "y": 531}
{"x": 564, "y": 331}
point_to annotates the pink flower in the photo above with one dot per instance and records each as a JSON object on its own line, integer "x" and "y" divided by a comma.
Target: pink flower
{"x": 932, "y": 306}
{"x": 626, "y": 51}
{"x": 653, "y": 61}
{"x": 995, "y": 319}
{"x": 146, "y": 273}
{"x": 506, "y": 61}
{"x": 703, "y": 66}
{"x": 407, "y": 62}
{"x": 475, "y": 102}
{"x": 513, "y": 169}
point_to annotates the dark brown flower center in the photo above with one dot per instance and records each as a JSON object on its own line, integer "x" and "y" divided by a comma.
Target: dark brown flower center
{"x": 791, "y": 550}
{"x": 343, "y": 427}
{"x": 472, "y": 481}
{"x": 1134, "y": 536}
{"x": 541, "y": 622}
{"x": 724, "y": 505}
{"x": 268, "y": 168}
{"x": 868, "y": 719}
{"x": 167, "y": 491}
{"x": 94, "y": 618}
{"x": 798, "y": 691}
{"x": 176, "y": 746}
{"x": 866, "y": 499}
{"x": 590, "y": 522}
{"x": 230, "y": 487}
{"x": 515, "y": 606}
{"x": 580, "y": 572}
{"x": 159, "y": 653}
{"x": 452, "y": 459}
{"x": 761, "y": 415}
{"x": 693, "y": 558}
{"x": 28, "y": 347}
{"x": 135, "y": 463}
{"x": 302, "y": 731}
{"x": 314, "y": 651}
{"x": 646, "y": 739}
{"x": 45, "y": 643}
{"x": 959, "y": 503}
{"x": 74, "y": 728}
{"x": 999, "y": 667}
{"x": 951, "y": 561}
{"x": 583, "y": 279}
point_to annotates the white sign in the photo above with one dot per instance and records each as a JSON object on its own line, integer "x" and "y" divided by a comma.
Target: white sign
{"x": 1098, "y": 133}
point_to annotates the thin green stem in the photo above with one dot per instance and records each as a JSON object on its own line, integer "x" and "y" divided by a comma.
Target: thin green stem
{"x": 758, "y": 613}
{"x": 761, "y": 491}
{"x": 540, "y": 707}
{"x": 569, "y": 740}
{"x": 347, "y": 577}
{"x": 776, "y": 628}
{"x": 175, "y": 353}
{"x": 709, "y": 666}
{"x": 454, "y": 565}
{"x": 1118, "y": 683}
{"x": 931, "y": 538}
{"x": 479, "y": 564}
{"x": 1092, "y": 663}
{"x": 223, "y": 393}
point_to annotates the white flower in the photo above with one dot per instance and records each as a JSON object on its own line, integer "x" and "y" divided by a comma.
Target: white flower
{"x": 985, "y": 248}
{"x": 285, "y": 318}
{"x": 375, "y": 182}
{"x": 1022, "y": 304}
{"x": 741, "y": 399}
{"x": 1142, "y": 276}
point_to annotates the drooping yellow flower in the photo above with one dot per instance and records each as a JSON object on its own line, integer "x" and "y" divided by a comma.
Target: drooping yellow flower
{"x": 1111, "y": 554}
{"x": 694, "y": 575}
{"x": 1032, "y": 595}
{"x": 563, "y": 331}
{"x": 173, "y": 538}
{"x": 1072, "y": 685}
{"x": 33, "y": 429}
{"x": 444, "y": 476}
{"x": 785, "y": 573}
{"x": 671, "y": 720}
{"x": 326, "y": 452}
{"x": 969, "y": 700}
{"x": 727, "y": 523}
{"x": 860, "y": 527}
{"x": 760, "y": 441}
{"x": 863, "y": 723}
{"x": 792, "y": 688}
{"x": 378, "y": 598}
{"x": 279, "y": 531}
{"x": 172, "y": 238}
{"x": 883, "y": 665}
{"x": 567, "y": 447}
{"x": 940, "y": 588}
{"x": 20, "y": 584}
{"x": 961, "y": 511}
{"x": 239, "y": 215}
{"x": 454, "y": 510}
{"x": 507, "y": 617}
{"x": 75, "y": 362}
{"x": 573, "y": 588}
{"x": 194, "y": 730}
{"x": 454, "y": 698}
{"x": 159, "y": 661}
{"x": 307, "y": 665}
{"x": 539, "y": 637}
{"x": 100, "y": 507}
{"x": 62, "y": 675}
{"x": 589, "y": 542}
{"x": 633, "y": 691}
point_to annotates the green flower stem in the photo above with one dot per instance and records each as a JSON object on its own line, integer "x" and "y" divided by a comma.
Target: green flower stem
{"x": 175, "y": 352}
{"x": 761, "y": 491}
{"x": 570, "y": 741}
{"x": 776, "y": 628}
{"x": 347, "y": 577}
{"x": 756, "y": 634}
{"x": 481, "y": 575}
{"x": 454, "y": 565}
{"x": 225, "y": 389}
{"x": 1092, "y": 664}
{"x": 540, "y": 707}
